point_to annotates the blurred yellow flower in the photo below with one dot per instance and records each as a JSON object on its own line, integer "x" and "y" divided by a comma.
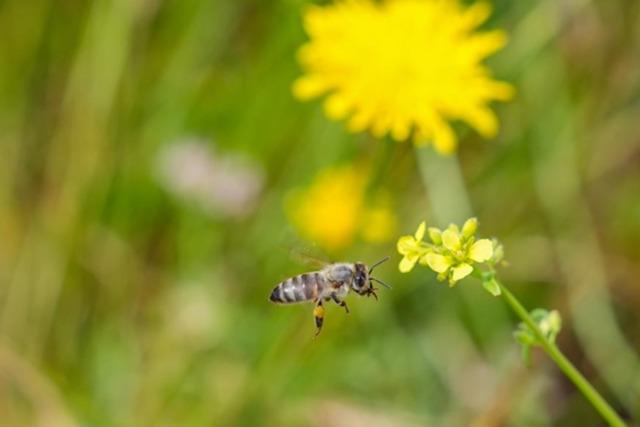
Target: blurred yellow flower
{"x": 407, "y": 67}
{"x": 378, "y": 224}
{"x": 333, "y": 210}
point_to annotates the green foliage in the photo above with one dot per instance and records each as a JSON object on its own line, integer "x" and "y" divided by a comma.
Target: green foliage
{"x": 129, "y": 297}
{"x": 549, "y": 323}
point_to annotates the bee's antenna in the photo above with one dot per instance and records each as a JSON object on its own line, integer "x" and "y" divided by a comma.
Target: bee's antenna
{"x": 381, "y": 282}
{"x": 378, "y": 263}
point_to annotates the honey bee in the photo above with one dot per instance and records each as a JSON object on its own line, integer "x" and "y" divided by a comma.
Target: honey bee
{"x": 333, "y": 282}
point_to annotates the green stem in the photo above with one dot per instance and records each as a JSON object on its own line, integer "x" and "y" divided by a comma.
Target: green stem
{"x": 598, "y": 402}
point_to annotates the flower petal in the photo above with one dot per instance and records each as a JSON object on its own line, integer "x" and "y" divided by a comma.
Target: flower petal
{"x": 460, "y": 271}
{"x": 337, "y": 107}
{"x": 444, "y": 140}
{"x": 406, "y": 244}
{"x": 481, "y": 250}
{"x": 451, "y": 238}
{"x": 309, "y": 87}
{"x": 420, "y": 231}
{"x": 438, "y": 263}
{"x": 407, "y": 264}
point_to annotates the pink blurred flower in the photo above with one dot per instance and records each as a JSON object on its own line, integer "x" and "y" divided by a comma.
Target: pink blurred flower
{"x": 222, "y": 184}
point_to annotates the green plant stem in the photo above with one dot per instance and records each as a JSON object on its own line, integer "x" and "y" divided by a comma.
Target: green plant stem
{"x": 598, "y": 402}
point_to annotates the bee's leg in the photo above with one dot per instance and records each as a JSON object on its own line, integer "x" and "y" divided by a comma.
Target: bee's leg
{"x": 318, "y": 314}
{"x": 335, "y": 299}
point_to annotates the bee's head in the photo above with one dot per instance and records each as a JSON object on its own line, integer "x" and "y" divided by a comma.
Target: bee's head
{"x": 363, "y": 281}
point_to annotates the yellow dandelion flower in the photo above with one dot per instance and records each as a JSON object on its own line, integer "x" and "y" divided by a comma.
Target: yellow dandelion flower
{"x": 404, "y": 67}
{"x": 333, "y": 210}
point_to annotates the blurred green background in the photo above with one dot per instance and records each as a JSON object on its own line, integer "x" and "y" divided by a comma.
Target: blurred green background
{"x": 148, "y": 147}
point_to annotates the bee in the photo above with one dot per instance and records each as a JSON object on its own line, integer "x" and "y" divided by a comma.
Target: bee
{"x": 333, "y": 282}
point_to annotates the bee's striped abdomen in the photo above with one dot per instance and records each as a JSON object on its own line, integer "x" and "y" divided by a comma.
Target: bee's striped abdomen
{"x": 304, "y": 287}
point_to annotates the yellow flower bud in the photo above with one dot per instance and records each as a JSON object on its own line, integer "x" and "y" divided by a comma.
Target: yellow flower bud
{"x": 435, "y": 235}
{"x": 469, "y": 228}
{"x": 420, "y": 231}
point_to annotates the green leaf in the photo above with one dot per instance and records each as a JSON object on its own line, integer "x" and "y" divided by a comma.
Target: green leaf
{"x": 549, "y": 323}
{"x": 492, "y": 287}
{"x": 524, "y": 336}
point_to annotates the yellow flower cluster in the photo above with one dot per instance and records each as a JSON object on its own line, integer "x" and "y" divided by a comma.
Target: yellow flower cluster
{"x": 404, "y": 67}
{"x": 451, "y": 253}
{"x": 333, "y": 211}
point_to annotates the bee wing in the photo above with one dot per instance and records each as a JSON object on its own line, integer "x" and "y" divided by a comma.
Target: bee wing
{"x": 304, "y": 256}
{"x": 303, "y": 252}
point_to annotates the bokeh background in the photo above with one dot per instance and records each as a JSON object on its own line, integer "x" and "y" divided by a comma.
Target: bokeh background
{"x": 149, "y": 151}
